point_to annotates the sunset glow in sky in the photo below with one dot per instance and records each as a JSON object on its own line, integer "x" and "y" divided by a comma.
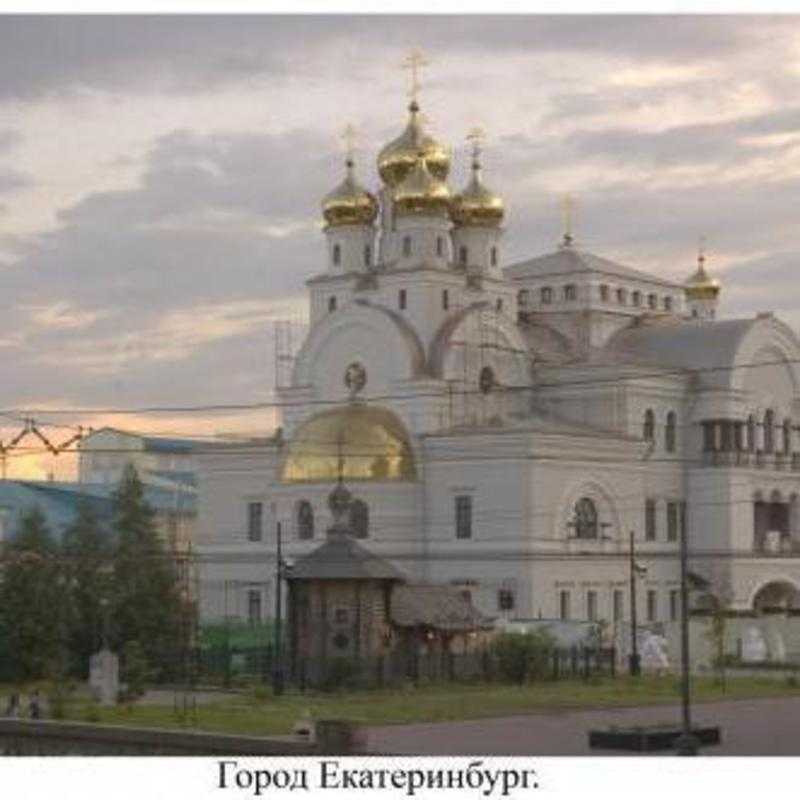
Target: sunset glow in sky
{"x": 160, "y": 178}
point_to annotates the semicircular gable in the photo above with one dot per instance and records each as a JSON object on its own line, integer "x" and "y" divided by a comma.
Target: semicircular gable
{"x": 374, "y": 336}
{"x": 499, "y": 330}
{"x": 767, "y": 362}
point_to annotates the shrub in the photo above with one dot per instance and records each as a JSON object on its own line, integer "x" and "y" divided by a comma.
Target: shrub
{"x": 523, "y": 655}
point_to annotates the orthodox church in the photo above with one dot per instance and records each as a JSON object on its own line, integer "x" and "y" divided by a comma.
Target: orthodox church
{"x": 511, "y": 429}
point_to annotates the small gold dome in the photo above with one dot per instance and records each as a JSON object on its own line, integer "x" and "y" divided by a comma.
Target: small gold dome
{"x": 397, "y": 158}
{"x": 421, "y": 193}
{"x": 349, "y": 203}
{"x": 477, "y": 205}
{"x": 701, "y": 286}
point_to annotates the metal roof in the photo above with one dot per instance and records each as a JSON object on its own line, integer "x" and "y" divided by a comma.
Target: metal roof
{"x": 569, "y": 261}
{"x": 341, "y": 557}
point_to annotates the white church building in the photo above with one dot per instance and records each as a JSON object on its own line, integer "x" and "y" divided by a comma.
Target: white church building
{"x": 505, "y": 427}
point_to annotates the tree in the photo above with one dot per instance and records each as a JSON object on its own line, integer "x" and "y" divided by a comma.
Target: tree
{"x": 719, "y": 603}
{"x": 145, "y": 600}
{"x": 32, "y": 600}
{"x": 87, "y": 554}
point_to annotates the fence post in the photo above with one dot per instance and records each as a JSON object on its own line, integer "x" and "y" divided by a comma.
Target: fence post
{"x": 573, "y": 661}
{"x": 586, "y": 657}
{"x": 613, "y": 662}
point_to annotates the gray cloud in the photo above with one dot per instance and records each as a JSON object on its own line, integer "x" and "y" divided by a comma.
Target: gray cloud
{"x": 42, "y": 54}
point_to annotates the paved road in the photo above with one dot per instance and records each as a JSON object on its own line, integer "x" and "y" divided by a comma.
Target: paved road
{"x": 768, "y": 727}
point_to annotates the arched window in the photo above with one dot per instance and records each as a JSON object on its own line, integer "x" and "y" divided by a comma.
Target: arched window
{"x": 445, "y": 300}
{"x": 667, "y": 304}
{"x": 439, "y": 246}
{"x": 332, "y": 303}
{"x": 787, "y": 437}
{"x": 523, "y": 298}
{"x": 337, "y": 254}
{"x": 769, "y": 431}
{"x": 367, "y": 255}
{"x": 546, "y": 295}
{"x": 585, "y": 520}
{"x": 570, "y": 292}
{"x": 499, "y": 304}
{"x": 305, "y": 520}
{"x": 401, "y": 299}
{"x": 636, "y": 297}
{"x": 622, "y": 297}
{"x": 652, "y": 301}
{"x": 462, "y": 255}
{"x": 604, "y": 292}
{"x": 359, "y": 519}
{"x": 649, "y": 427}
{"x": 670, "y": 432}
{"x": 751, "y": 433}
{"x": 406, "y": 246}
{"x": 493, "y": 256}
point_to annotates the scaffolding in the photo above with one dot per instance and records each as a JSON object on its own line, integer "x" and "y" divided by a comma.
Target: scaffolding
{"x": 288, "y": 335}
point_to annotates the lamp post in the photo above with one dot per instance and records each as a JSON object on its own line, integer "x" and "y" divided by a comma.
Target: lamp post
{"x": 277, "y": 666}
{"x": 686, "y": 744}
{"x": 634, "y": 662}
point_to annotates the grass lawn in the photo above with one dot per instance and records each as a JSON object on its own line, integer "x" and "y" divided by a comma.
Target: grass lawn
{"x": 258, "y": 713}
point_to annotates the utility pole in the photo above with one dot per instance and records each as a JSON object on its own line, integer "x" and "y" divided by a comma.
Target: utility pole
{"x": 634, "y": 665}
{"x": 277, "y": 667}
{"x": 687, "y": 744}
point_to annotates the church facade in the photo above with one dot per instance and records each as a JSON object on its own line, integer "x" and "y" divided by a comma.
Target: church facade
{"x": 507, "y": 428}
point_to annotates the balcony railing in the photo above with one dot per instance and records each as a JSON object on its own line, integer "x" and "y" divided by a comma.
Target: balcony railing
{"x": 758, "y": 459}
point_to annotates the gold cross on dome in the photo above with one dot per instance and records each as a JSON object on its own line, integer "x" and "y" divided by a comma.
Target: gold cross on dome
{"x": 349, "y": 139}
{"x": 569, "y": 209}
{"x": 701, "y": 250}
{"x": 476, "y": 136}
{"x": 414, "y": 61}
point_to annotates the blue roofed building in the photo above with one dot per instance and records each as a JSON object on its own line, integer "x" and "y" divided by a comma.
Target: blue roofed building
{"x": 175, "y": 509}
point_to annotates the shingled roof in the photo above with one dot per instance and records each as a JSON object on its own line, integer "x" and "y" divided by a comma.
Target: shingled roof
{"x": 342, "y": 558}
{"x": 443, "y": 607}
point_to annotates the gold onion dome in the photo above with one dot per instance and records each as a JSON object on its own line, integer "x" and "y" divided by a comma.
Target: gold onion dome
{"x": 349, "y": 203}
{"x": 397, "y": 159}
{"x": 477, "y": 204}
{"x": 701, "y": 286}
{"x": 421, "y": 193}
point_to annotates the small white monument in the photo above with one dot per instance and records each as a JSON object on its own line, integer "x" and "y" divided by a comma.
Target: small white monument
{"x": 754, "y": 646}
{"x": 654, "y": 653}
{"x": 104, "y": 677}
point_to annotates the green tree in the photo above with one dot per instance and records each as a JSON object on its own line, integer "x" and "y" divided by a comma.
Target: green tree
{"x": 32, "y": 600}
{"x": 88, "y": 559}
{"x": 145, "y": 599}
{"x": 522, "y": 656}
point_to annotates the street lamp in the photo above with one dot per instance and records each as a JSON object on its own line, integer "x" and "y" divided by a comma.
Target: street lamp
{"x": 634, "y": 662}
{"x": 687, "y": 743}
{"x": 282, "y": 568}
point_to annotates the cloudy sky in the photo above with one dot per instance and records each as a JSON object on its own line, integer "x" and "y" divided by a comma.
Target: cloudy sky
{"x": 160, "y": 177}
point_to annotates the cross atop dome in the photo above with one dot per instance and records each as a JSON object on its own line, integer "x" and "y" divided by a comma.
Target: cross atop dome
{"x": 349, "y": 138}
{"x": 568, "y": 206}
{"x": 476, "y": 137}
{"x": 414, "y": 62}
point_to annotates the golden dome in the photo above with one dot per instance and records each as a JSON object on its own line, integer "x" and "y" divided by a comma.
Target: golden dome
{"x": 354, "y": 442}
{"x": 700, "y": 285}
{"x": 477, "y": 205}
{"x": 421, "y": 193}
{"x": 397, "y": 159}
{"x": 349, "y": 203}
